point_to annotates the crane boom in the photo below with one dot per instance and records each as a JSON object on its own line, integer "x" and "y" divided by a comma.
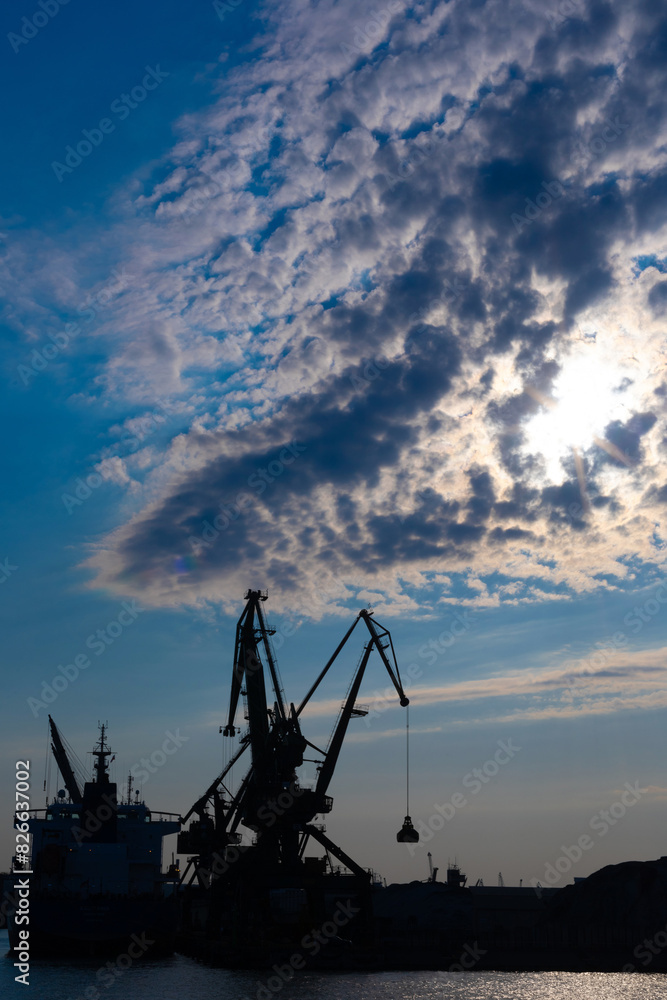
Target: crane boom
{"x": 331, "y": 759}
{"x": 200, "y": 804}
{"x": 377, "y": 636}
{"x": 327, "y": 665}
{"x": 63, "y": 763}
{"x": 265, "y": 633}
{"x": 328, "y": 767}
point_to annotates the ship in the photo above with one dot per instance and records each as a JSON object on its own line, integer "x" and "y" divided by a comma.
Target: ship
{"x": 95, "y": 881}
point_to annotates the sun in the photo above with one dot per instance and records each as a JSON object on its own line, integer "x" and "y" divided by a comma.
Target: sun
{"x": 587, "y": 395}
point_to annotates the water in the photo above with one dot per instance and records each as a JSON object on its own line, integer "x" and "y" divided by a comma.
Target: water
{"x": 178, "y": 977}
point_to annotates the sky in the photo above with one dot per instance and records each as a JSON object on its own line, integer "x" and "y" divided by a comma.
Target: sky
{"x": 364, "y": 308}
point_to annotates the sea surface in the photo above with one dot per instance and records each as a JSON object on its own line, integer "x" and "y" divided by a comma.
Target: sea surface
{"x": 178, "y": 977}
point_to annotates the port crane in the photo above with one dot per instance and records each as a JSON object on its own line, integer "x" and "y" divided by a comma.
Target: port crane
{"x": 270, "y": 801}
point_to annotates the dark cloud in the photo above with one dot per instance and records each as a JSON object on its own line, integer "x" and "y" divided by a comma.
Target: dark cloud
{"x": 627, "y": 437}
{"x": 509, "y": 534}
{"x": 345, "y": 439}
{"x": 565, "y": 504}
{"x": 468, "y": 228}
{"x": 657, "y": 298}
{"x": 481, "y": 503}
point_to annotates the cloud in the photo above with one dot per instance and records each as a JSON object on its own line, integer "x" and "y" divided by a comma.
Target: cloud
{"x": 385, "y": 247}
{"x": 571, "y": 689}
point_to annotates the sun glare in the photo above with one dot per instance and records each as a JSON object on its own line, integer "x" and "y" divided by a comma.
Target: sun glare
{"x": 586, "y": 396}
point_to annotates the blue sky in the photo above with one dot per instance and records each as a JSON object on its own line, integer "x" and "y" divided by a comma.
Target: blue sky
{"x": 361, "y": 310}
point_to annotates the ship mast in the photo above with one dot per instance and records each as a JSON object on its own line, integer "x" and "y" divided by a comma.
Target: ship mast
{"x": 101, "y": 752}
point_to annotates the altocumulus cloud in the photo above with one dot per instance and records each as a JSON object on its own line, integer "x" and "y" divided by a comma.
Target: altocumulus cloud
{"x": 308, "y": 222}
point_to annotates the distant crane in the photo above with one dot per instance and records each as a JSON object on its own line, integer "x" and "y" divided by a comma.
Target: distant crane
{"x": 432, "y": 872}
{"x": 501, "y": 880}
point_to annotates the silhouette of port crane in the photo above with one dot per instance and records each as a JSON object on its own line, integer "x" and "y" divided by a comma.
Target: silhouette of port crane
{"x": 270, "y": 801}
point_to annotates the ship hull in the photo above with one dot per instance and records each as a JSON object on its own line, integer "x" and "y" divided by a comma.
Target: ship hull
{"x": 102, "y": 926}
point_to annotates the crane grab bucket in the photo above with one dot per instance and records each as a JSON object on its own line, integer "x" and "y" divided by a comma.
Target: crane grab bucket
{"x": 407, "y": 834}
